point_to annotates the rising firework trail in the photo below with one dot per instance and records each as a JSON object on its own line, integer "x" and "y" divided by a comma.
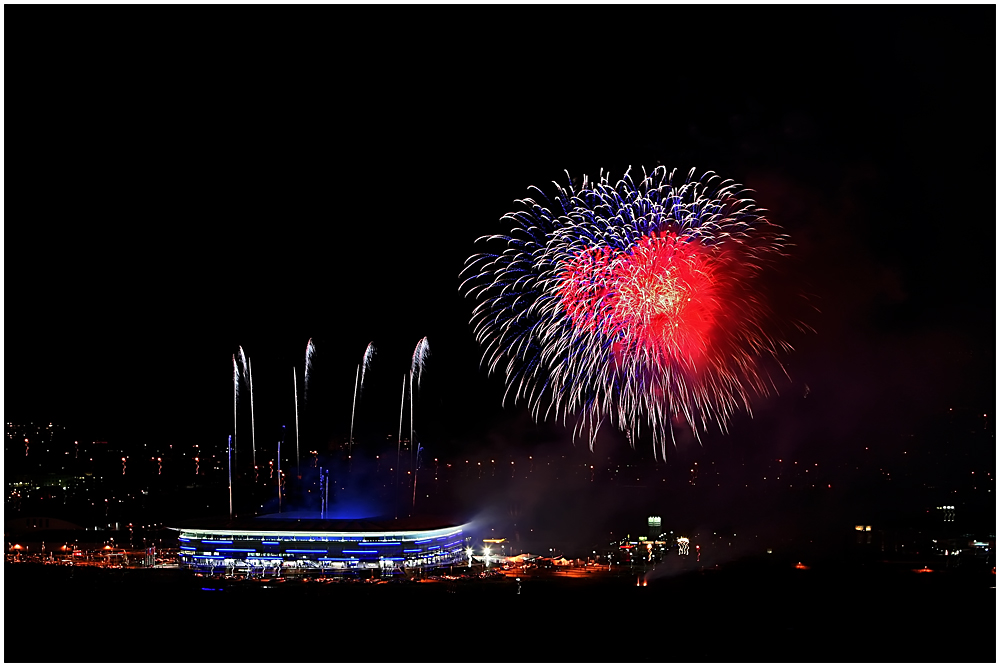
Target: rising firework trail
{"x": 399, "y": 443}
{"x": 295, "y": 394}
{"x": 229, "y": 452}
{"x": 419, "y": 360}
{"x": 307, "y": 371}
{"x": 631, "y": 303}
{"x": 358, "y": 388}
{"x": 253, "y": 435}
{"x": 367, "y": 362}
{"x": 354, "y": 403}
{"x": 416, "y": 371}
{"x": 240, "y": 379}
{"x": 236, "y": 393}
{"x": 310, "y": 350}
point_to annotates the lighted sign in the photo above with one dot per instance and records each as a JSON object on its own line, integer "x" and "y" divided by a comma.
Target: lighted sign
{"x": 683, "y": 546}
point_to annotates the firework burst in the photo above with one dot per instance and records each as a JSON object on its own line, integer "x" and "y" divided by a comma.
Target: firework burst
{"x": 631, "y": 302}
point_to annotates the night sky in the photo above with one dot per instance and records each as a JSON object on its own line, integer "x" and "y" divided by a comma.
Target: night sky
{"x": 175, "y": 192}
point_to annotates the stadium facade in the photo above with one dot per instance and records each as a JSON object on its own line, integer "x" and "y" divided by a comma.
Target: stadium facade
{"x": 321, "y": 545}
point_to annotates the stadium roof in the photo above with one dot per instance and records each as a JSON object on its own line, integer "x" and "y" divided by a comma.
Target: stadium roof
{"x": 313, "y": 525}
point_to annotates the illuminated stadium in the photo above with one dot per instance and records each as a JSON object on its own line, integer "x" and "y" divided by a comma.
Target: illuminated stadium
{"x": 321, "y": 544}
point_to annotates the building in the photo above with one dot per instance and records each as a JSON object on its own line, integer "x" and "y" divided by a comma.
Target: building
{"x": 320, "y": 544}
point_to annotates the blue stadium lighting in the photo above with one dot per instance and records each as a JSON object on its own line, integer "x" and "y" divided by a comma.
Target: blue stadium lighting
{"x": 267, "y": 547}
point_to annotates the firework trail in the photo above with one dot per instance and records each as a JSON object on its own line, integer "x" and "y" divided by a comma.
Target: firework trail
{"x": 295, "y": 394}
{"x": 236, "y": 393}
{"x": 399, "y": 443}
{"x": 310, "y": 350}
{"x": 242, "y": 369}
{"x": 631, "y": 303}
{"x": 358, "y": 388}
{"x": 229, "y": 453}
{"x": 354, "y": 403}
{"x": 239, "y": 379}
{"x": 416, "y": 371}
{"x": 419, "y": 360}
{"x": 367, "y": 362}
{"x": 253, "y": 435}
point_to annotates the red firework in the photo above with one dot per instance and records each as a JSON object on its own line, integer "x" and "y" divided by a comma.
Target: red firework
{"x": 662, "y": 297}
{"x": 635, "y": 303}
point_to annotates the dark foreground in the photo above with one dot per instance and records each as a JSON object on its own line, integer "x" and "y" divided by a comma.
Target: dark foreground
{"x": 747, "y": 612}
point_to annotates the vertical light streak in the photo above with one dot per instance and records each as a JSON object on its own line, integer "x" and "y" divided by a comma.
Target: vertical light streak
{"x": 253, "y": 435}
{"x": 241, "y": 372}
{"x": 310, "y": 350}
{"x": 399, "y": 443}
{"x": 416, "y": 371}
{"x": 366, "y": 364}
{"x": 322, "y": 506}
{"x": 411, "y": 422}
{"x": 229, "y": 449}
{"x": 295, "y": 394}
{"x": 354, "y": 404}
{"x": 359, "y": 387}
{"x": 413, "y": 505}
{"x": 236, "y": 392}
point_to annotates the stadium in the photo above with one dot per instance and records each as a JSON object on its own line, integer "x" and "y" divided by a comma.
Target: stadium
{"x": 325, "y": 545}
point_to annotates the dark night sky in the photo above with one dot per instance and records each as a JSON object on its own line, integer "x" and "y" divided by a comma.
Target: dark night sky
{"x": 174, "y": 192}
